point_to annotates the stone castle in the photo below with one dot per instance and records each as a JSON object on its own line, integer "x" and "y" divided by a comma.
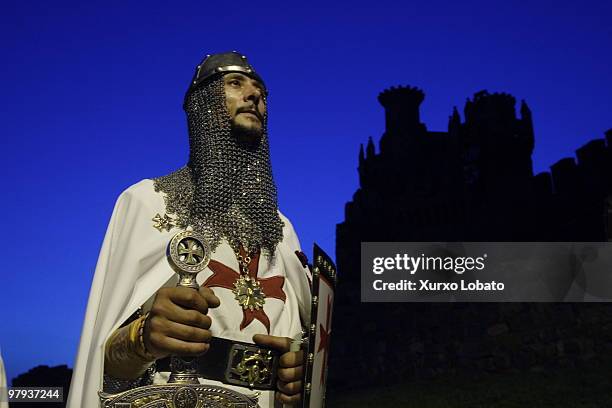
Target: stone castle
{"x": 474, "y": 182}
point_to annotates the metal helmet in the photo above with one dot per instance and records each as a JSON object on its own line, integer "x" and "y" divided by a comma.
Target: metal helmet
{"x": 218, "y": 64}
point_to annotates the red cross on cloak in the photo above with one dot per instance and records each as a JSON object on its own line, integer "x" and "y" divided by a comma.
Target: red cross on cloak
{"x": 224, "y": 277}
{"x": 324, "y": 343}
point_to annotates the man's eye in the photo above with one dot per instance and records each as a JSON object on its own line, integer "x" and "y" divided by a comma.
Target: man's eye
{"x": 235, "y": 82}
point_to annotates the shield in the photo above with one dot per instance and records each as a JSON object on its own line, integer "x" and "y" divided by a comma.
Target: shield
{"x": 319, "y": 333}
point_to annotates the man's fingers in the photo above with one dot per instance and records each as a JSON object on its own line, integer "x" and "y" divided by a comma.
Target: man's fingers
{"x": 175, "y": 313}
{"x": 208, "y": 294}
{"x": 291, "y": 359}
{"x": 189, "y": 299}
{"x": 278, "y": 343}
{"x": 288, "y": 399}
{"x": 172, "y": 346}
{"x": 288, "y": 375}
{"x": 290, "y": 369}
{"x": 289, "y": 389}
{"x": 178, "y": 323}
{"x": 182, "y": 331}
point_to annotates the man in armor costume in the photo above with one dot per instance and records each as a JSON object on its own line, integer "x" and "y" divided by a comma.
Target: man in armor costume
{"x": 255, "y": 288}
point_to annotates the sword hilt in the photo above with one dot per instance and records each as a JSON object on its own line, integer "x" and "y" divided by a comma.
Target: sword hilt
{"x": 188, "y": 254}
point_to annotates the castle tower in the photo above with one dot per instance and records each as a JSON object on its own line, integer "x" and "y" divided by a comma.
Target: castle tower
{"x": 401, "y": 109}
{"x": 365, "y": 162}
{"x": 491, "y": 111}
{"x": 454, "y": 123}
{"x": 500, "y": 144}
{"x": 526, "y": 120}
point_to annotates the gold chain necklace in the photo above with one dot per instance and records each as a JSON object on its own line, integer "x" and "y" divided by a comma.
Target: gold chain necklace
{"x": 247, "y": 290}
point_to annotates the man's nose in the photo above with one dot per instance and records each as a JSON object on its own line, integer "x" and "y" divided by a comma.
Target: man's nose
{"x": 253, "y": 93}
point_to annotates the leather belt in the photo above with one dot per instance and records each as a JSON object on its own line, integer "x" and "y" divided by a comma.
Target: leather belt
{"x": 235, "y": 363}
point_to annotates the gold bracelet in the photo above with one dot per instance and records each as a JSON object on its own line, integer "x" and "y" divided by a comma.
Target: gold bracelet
{"x": 125, "y": 355}
{"x": 142, "y": 348}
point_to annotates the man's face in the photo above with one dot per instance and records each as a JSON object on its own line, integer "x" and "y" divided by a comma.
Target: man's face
{"x": 244, "y": 98}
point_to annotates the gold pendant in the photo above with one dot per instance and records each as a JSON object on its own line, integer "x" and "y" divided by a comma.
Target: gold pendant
{"x": 249, "y": 293}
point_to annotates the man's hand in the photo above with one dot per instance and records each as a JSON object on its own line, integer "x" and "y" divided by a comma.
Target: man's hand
{"x": 178, "y": 323}
{"x": 290, "y": 369}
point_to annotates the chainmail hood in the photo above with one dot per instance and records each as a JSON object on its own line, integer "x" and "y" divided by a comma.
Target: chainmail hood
{"x": 226, "y": 190}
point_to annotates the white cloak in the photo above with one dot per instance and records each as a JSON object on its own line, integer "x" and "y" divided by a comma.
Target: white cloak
{"x": 132, "y": 266}
{"x": 3, "y": 389}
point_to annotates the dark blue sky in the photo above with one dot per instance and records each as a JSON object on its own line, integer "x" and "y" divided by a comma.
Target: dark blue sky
{"x": 91, "y": 103}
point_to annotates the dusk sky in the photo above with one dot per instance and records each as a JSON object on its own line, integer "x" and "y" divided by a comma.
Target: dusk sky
{"x": 92, "y": 95}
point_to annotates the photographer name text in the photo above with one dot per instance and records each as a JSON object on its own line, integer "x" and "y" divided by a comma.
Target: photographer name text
{"x": 425, "y": 285}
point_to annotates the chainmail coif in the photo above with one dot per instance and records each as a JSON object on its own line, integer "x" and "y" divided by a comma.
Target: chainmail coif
{"x": 226, "y": 190}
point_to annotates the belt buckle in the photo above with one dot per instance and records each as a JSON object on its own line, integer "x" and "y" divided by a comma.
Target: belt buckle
{"x": 251, "y": 366}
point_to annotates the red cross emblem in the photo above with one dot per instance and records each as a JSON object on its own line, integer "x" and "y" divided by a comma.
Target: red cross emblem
{"x": 224, "y": 277}
{"x": 325, "y": 335}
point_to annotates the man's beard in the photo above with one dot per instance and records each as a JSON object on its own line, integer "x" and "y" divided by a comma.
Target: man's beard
{"x": 249, "y": 137}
